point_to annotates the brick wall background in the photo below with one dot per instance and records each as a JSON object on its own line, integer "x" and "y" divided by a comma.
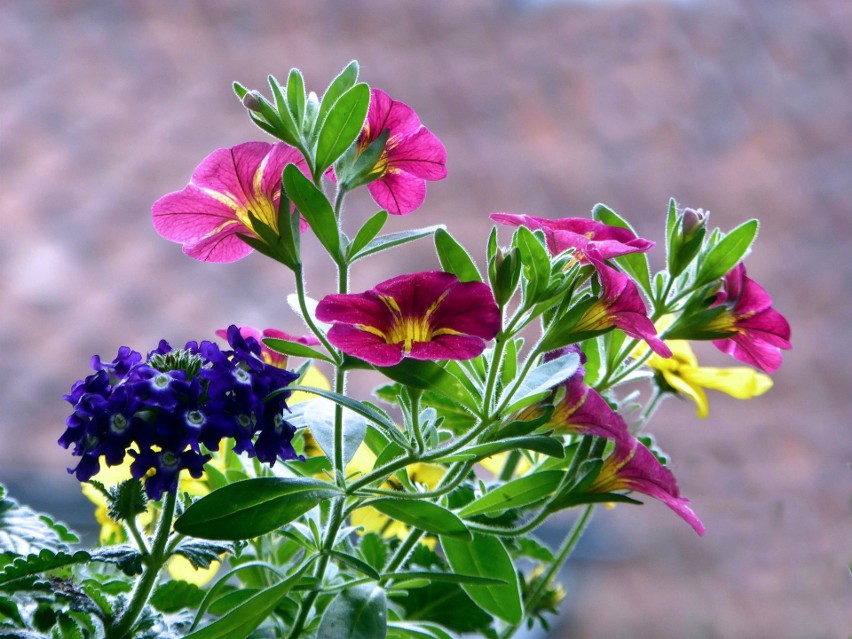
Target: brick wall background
{"x": 743, "y": 108}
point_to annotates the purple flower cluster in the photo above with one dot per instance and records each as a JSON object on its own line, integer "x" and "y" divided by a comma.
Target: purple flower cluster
{"x": 167, "y": 410}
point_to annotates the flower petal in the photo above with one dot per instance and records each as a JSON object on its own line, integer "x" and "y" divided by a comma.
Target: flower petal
{"x": 399, "y": 193}
{"x": 387, "y": 113}
{"x": 365, "y": 345}
{"x": 421, "y": 154}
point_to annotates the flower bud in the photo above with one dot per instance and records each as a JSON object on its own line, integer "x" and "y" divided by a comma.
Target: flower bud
{"x": 504, "y": 273}
{"x": 693, "y": 220}
{"x": 251, "y": 101}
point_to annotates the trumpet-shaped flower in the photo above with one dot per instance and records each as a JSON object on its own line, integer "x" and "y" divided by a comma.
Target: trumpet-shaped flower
{"x": 581, "y": 235}
{"x": 214, "y": 207}
{"x": 581, "y": 409}
{"x": 758, "y": 331}
{"x": 631, "y": 466}
{"x": 412, "y": 155}
{"x": 682, "y": 372}
{"x": 620, "y": 305}
{"x": 429, "y": 315}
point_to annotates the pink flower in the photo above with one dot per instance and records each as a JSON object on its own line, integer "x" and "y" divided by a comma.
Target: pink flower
{"x": 429, "y": 315}
{"x": 759, "y": 332}
{"x": 621, "y": 306}
{"x": 631, "y": 466}
{"x": 209, "y": 212}
{"x": 412, "y": 155}
{"x": 582, "y": 410}
{"x": 580, "y": 234}
{"x": 269, "y": 356}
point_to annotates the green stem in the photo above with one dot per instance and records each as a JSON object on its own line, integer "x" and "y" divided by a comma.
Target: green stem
{"x": 146, "y": 583}
{"x": 568, "y": 546}
{"x": 417, "y": 431}
{"x": 300, "y": 294}
{"x": 134, "y": 531}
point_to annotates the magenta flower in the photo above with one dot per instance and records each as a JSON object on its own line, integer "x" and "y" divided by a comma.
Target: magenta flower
{"x": 621, "y": 306}
{"x": 429, "y": 315}
{"x": 209, "y": 212}
{"x": 580, "y": 234}
{"x": 631, "y": 466}
{"x": 582, "y": 410}
{"x": 759, "y": 332}
{"x": 412, "y": 155}
{"x": 269, "y": 356}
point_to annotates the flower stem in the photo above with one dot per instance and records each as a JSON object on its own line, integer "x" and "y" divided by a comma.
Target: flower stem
{"x": 562, "y": 556}
{"x": 121, "y": 629}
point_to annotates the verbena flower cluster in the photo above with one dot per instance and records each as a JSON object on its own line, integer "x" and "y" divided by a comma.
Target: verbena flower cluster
{"x": 165, "y": 411}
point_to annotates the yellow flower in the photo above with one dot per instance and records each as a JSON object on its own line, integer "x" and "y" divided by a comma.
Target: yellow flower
{"x": 682, "y": 372}
{"x": 494, "y": 464}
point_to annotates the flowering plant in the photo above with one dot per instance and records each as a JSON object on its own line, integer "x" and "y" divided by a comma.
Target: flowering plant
{"x": 281, "y": 505}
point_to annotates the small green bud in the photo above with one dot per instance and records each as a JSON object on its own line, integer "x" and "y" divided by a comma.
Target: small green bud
{"x": 693, "y": 220}
{"x": 251, "y": 101}
{"x": 504, "y": 272}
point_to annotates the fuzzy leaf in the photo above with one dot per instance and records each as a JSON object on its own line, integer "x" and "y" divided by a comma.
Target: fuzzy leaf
{"x": 384, "y": 242}
{"x": 359, "y": 612}
{"x": 515, "y": 494}
{"x": 35, "y": 564}
{"x": 424, "y": 515}
{"x": 454, "y": 258}
{"x": 342, "y": 125}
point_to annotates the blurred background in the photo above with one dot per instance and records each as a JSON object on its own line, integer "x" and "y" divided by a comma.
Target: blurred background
{"x": 546, "y": 107}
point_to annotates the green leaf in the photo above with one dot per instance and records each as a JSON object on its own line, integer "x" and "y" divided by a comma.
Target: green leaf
{"x": 727, "y": 253}
{"x": 127, "y": 500}
{"x": 427, "y": 375}
{"x": 384, "y": 242}
{"x": 529, "y": 546}
{"x": 344, "y": 81}
{"x": 454, "y": 258}
{"x": 448, "y": 605}
{"x": 284, "y": 125}
{"x": 175, "y": 595}
{"x": 373, "y": 550}
{"x": 634, "y": 264}
{"x": 239, "y": 89}
{"x": 538, "y": 443}
{"x": 443, "y": 577}
{"x": 572, "y": 499}
{"x": 365, "y": 235}
{"x": 535, "y": 261}
{"x": 486, "y": 556}
{"x": 24, "y": 531}
{"x": 126, "y": 557}
{"x": 252, "y": 507}
{"x": 296, "y": 95}
{"x": 35, "y": 564}
{"x": 319, "y": 416}
{"x": 240, "y": 622}
{"x": 541, "y": 379}
{"x": 414, "y": 630}
{"x": 358, "y": 564}
{"x": 515, "y": 494}
{"x": 201, "y": 553}
{"x": 341, "y": 127}
{"x": 316, "y": 208}
{"x": 294, "y": 349}
{"x": 359, "y": 612}
{"x": 424, "y": 515}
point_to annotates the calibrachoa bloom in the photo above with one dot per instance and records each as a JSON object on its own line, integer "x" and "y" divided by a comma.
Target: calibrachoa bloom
{"x": 161, "y": 411}
{"x": 631, "y": 466}
{"x": 429, "y": 315}
{"x": 581, "y": 235}
{"x": 758, "y": 331}
{"x": 413, "y": 154}
{"x": 214, "y": 207}
{"x": 269, "y": 356}
{"x": 683, "y": 374}
{"x": 620, "y": 306}
{"x": 581, "y": 409}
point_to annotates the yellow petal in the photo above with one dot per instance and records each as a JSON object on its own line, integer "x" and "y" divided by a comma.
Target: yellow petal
{"x": 741, "y": 382}
{"x": 181, "y": 568}
{"x": 312, "y": 377}
{"x": 428, "y": 474}
{"x": 681, "y": 382}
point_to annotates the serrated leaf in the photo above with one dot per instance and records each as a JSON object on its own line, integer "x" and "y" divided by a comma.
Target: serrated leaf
{"x": 454, "y": 258}
{"x": 384, "y": 242}
{"x": 515, "y": 494}
{"x": 424, "y": 515}
{"x": 35, "y": 564}
{"x": 127, "y": 500}
{"x": 252, "y": 507}
{"x": 486, "y": 556}
{"x": 201, "y": 553}
{"x": 373, "y": 550}
{"x": 126, "y": 557}
{"x": 359, "y": 612}
{"x": 342, "y": 125}
{"x": 175, "y": 595}
{"x": 24, "y": 531}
